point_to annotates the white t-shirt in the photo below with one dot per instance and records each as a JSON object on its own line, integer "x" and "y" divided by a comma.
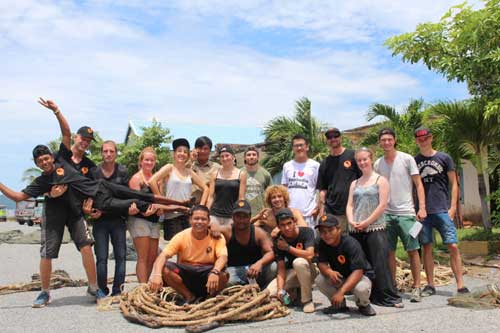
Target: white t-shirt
{"x": 399, "y": 176}
{"x": 300, "y": 178}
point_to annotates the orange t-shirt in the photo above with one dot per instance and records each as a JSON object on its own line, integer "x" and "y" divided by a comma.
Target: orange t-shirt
{"x": 190, "y": 250}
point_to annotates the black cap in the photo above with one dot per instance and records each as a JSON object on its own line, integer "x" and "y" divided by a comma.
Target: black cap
{"x": 422, "y": 131}
{"x": 86, "y": 132}
{"x": 242, "y": 206}
{"x": 40, "y": 150}
{"x": 284, "y": 213}
{"x": 180, "y": 142}
{"x": 327, "y": 220}
{"x": 333, "y": 132}
{"x": 386, "y": 130}
{"x": 226, "y": 149}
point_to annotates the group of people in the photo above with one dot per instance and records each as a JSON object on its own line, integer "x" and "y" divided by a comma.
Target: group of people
{"x": 335, "y": 224}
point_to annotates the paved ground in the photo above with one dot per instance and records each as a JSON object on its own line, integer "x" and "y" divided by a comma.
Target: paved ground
{"x": 72, "y": 311}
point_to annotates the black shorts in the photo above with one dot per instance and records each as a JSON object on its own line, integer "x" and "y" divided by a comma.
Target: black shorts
{"x": 194, "y": 277}
{"x": 56, "y": 215}
{"x": 172, "y": 227}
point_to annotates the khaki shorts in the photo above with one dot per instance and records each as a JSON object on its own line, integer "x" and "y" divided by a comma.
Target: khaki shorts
{"x": 138, "y": 227}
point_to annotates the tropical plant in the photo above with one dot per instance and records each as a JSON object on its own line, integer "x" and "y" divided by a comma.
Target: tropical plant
{"x": 280, "y": 130}
{"x": 403, "y": 123}
{"x": 464, "y": 128}
{"x": 30, "y": 174}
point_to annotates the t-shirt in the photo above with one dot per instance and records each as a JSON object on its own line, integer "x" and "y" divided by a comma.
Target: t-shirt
{"x": 336, "y": 173}
{"x": 399, "y": 176}
{"x": 257, "y": 182}
{"x": 344, "y": 258}
{"x": 86, "y": 166}
{"x": 434, "y": 172}
{"x": 192, "y": 251}
{"x": 204, "y": 171}
{"x": 304, "y": 240}
{"x": 79, "y": 186}
{"x": 119, "y": 176}
{"x": 301, "y": 178}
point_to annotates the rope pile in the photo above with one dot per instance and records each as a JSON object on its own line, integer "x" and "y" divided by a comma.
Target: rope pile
{"x": 443, "y": 275}
{"x": 58, "y": 279}
{"x": 238, "y": 303}
{"x": 484, "y": 298}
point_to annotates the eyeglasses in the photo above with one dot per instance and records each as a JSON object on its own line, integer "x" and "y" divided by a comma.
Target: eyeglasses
{"x": 332, "y": 136}
{"x": 298, "y": 145}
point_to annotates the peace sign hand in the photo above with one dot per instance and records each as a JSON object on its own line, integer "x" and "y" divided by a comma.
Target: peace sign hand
{"x": 49, "y": 104}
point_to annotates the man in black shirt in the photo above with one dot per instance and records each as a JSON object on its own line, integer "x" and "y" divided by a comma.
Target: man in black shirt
{"x": 249, "y": 249}
{"x": 294, "y": 250}
{"x": 343, "y": 265}
{"x": 336, "y": 173}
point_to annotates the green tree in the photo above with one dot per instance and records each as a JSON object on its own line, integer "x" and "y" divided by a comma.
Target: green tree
{"x": 464, "y": 128}
{"x": 279, "y": 133}
{"x": 154, "y": 136}
{"x": 30, "y": 174}
{"x": 463, "y": 46}
{"x": 403, "y": 123}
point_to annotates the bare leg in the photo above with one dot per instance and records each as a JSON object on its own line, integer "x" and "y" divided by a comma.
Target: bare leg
{"x": 152, "y": 254}
{"x": 89, "y": 264}
{"x": 415, "y": 267}
{"x": 174, "y": 280}
{"x": 429, "y": 264}
{"x": 142, "y": 247}
{"x": 45, "y": 271}
{"x": 392, "y": 264}
{"x": 456, "y": 264}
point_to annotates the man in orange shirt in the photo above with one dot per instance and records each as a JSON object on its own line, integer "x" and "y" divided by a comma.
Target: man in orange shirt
{"x": 200, "y": 260}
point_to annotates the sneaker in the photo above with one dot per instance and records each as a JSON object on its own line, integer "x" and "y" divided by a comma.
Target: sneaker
{"x": 416, "y": 295}
{"x": 333, "y": 310}
{"x": 92, "y": 292}
{"x": 41, "y": 300}
{"x": 428, "y": 291}
{"x": 463, "y": 290}
{"x": 308, "y": 307}
{"x": 99, "y": 294}
{"x": 367, "y": 310}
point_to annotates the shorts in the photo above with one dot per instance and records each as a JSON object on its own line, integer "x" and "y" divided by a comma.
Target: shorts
{"x": 139, "y": 227}
{"x": 221, "y": 221}
{"x": 400, "y": 225}
{"x": 55, "y": 218}
{"x": 194, "y": 277}
{"x": 172, "y": 227}
{"x": 443, "y": 224}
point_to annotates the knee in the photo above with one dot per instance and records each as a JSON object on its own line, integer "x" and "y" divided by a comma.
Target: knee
{"x": 453, "y": 249}
{"x": 300, "y": 263}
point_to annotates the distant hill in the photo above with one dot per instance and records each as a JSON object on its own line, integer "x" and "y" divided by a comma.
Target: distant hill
{"x": 7, "y": 202}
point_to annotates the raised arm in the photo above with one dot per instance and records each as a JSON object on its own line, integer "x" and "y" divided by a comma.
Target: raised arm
{"x": 13, "y": 195}
{"x": 159, "y": 177}
{"x": 63, "y": 123}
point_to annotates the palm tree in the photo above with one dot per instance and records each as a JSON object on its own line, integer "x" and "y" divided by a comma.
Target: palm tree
{"x": 30, "y": 174}
{"x": 403, "y": 123}
{"x": 280, "y": 130}
{"x": 471, "y": 134}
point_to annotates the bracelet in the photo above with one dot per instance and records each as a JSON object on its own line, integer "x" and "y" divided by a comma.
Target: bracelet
{"x": 57, "y": 111}
{"x": 215, "y": 272}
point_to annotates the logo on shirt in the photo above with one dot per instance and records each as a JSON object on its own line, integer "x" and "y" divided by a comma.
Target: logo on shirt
{"x": 89, "y": 130}
{"x": 341, "y": 259}
{"x": 347, "y": 164}
{"x": 299, "y": 246}
{"x": 84, "y": 170}
{"x": 209, "y": 249}
{"x": 301, "y": 173}
{"x": 60, "y": 172}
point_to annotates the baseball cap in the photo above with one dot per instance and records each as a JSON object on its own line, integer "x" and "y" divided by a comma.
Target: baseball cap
{"x": 86, "y": 132}
{"x": 180, "y": 142}
{"x": 422, "y": 131}
{"x": 283, "y": 213}
{"x": 333, "y": 132}
{"x": 327, "y": 220}
{"x": 242, "y": 206}
{"x": 226, "y": 149}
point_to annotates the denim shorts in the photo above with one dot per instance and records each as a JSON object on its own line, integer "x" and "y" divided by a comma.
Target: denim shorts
{"x": 399, "y": 226}
{"x": 443, "y": 224}
{"x": 138, "y": 227}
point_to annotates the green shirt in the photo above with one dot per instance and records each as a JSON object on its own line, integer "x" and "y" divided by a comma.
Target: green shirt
{"x": 257, "y": 182}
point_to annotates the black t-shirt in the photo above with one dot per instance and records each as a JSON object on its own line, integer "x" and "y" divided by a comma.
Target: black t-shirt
{"x": 345, "y": 258}
{"x": 336, "y": 173}
{"x": 434, "y": 173}
{"x": 79, "y": 186}
{"x": 304, "y": 240}
{"x": 86, "y": 166}
{"x": 119, "y": 176}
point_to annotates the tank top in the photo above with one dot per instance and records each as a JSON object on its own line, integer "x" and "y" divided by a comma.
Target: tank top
{"x": 151, "y": 218}
{"x": 225, "y": 195}
{"x": 177, "y": 189}
{"x": 366, "y": 200}
{"x": 243, "y": 255}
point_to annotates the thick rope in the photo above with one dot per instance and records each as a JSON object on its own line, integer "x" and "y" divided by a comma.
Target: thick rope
{"x": 443, "y": 275}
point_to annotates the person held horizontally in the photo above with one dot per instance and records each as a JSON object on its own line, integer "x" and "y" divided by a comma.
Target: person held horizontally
{"x": 201, "y": 259}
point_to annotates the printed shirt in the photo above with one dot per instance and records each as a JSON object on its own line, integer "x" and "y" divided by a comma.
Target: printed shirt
{"x": 301, "y": 178}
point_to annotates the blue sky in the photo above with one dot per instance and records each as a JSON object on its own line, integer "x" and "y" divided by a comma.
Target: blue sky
{"x": 201, "y": 62}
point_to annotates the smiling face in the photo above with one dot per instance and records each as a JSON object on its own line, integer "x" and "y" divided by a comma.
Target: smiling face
{"x": 181, "y": 154}
{"x": 226, "y": 159}
{"x": 148, "y": 162}
{"x": 387, "y": 142}
{"x": 241, "y": 221}
{"x": 288, "y": 227}
{"x": 334, "y": 141}
{"x": 424, "y": 142}
{"x": 277, "y": 200}
{"x": 300, "y": 149}
{"x": 330, "y": 235}
{"x": 82, "y": 144}
{"x": 46, "y": 163}
{"x": 251, "y": 158}
{"x": 199, "y": 221}
{"x": 364, "y": 161}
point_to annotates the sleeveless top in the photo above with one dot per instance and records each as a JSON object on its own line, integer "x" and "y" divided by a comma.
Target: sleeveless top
{"x": 151, "y": 218}
{"x": 365, "y": 201}
{"x": 177, "y": 189}
{"x": 225, "y": 195}
{"x": 243, "y": 255}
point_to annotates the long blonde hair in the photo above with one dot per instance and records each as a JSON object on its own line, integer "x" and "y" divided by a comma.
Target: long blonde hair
{"x": 144, "y": 152}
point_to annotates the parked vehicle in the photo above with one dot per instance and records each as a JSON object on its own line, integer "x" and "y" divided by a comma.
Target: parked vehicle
{"x": 3, "y": 213}
{"x": 30, "y": 211}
